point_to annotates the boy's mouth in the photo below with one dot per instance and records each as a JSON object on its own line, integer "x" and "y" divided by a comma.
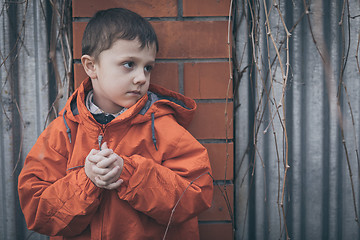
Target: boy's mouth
{"x": 135, "y": 92}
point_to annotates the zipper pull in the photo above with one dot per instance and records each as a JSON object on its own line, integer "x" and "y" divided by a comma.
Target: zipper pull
{"x": 100, "y": 138}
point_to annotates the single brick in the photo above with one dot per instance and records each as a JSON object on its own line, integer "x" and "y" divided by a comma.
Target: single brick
{"x": 179, "y": 40}
{"x": 216, "y": 231}
{"x": 164, "y": 74}
{"x": 207, "y": 80}
{"x": 79, "y": 74}
{"x": 219, "y": 210}
{"x": 221, "y": 160}
{"x": 146, "y": 8}
{"x": 78, "y": 31}
{"x": 192, "y": 39}
{"x": 209, "y": 121}
{"x": 196, "y": 8}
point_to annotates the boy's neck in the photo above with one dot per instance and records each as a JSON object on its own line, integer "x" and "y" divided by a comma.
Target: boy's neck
{"x": 94, "y": 109}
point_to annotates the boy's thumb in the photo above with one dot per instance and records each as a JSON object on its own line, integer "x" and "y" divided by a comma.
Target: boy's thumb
{"x": 104, "y": 146}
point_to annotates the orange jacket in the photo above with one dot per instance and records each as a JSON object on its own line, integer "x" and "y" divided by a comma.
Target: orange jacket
{"x": 163, "y": 164}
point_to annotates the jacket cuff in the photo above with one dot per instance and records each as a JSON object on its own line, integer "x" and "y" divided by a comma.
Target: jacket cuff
{"x": 86, "y": 185}
{"x": 127, "y": 172}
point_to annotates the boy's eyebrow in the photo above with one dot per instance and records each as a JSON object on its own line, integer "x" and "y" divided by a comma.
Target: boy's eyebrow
{"x": 137, "y": 58}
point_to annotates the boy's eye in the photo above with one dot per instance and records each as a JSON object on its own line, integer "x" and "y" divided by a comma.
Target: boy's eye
{"x": 148, "y": 68}
{"x": 129, "y": 64}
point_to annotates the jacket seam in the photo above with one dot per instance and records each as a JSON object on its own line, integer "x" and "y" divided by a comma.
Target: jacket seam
{"x": 177, "y": 143}
{"x": 50, "y": 146}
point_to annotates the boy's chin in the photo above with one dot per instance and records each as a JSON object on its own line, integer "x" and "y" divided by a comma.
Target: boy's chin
{"x": 129, "y": 104}
{"x": 130, "y": 101}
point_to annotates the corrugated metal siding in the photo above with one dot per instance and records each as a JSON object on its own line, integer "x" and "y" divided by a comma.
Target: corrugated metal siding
{"x": 318, "y": 193}
{"x": 25, "y": 100}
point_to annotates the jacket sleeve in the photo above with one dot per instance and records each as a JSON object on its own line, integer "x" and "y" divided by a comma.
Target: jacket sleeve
{"x": 181, "y": 184}
{"x": 55, "y": 201}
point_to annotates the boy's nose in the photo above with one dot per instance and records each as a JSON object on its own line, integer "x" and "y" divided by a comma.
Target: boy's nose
{"x": 140, "y": 77}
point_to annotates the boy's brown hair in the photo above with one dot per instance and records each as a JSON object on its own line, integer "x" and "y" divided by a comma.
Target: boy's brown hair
{"x": 108, "y": 26}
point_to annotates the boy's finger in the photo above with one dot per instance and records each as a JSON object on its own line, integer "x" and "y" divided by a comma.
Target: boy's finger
{"x": 105, "y": 152}
{"x": 100, "y": 183}
{"x": 104, "y": 146}
{"x": 100, "y": 171}
{"x": 111, "y": 174}
{"x": 114, "y": 185}
{"x": 96, "y": 158}
{"x": 104, "y": 184}
{"x": 94, "y": 151}
{"x": 107, "y": 161}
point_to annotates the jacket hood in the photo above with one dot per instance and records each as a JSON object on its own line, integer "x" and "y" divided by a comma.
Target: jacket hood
{"x": 157, "y": 102}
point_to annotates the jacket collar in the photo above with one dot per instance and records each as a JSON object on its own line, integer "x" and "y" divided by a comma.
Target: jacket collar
{"x": 158, "y": 102}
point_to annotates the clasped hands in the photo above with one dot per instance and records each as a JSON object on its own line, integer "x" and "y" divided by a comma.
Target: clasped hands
{"x": 104, "y": 167}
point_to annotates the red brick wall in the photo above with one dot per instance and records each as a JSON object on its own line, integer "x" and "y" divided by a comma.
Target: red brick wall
{"x": 192, "y": 60}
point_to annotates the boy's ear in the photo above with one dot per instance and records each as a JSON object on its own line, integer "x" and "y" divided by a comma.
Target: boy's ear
{"x": 88, "y": 63}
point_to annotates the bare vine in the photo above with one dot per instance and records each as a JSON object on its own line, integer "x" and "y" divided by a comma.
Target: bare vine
{"x": 60, "y": 35}
{"x": 7, "y": 64}
{"x": 15, "y": 50}
{"x": 275, "y": 70}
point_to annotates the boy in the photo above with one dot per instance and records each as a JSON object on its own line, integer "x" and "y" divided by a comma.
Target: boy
{"x": 118, "y": 159}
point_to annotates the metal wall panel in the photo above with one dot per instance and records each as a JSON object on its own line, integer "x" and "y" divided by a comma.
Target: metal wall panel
{"x": 25, "y": 100}
{"x": 315, "y": 130}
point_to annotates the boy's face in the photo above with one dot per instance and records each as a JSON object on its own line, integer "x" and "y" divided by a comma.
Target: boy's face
{"x": 121, "y": 75}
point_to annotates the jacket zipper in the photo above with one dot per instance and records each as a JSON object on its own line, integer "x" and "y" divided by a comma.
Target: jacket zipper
{"x": 100, "y": 139}
{"x": 101, "y": 136}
